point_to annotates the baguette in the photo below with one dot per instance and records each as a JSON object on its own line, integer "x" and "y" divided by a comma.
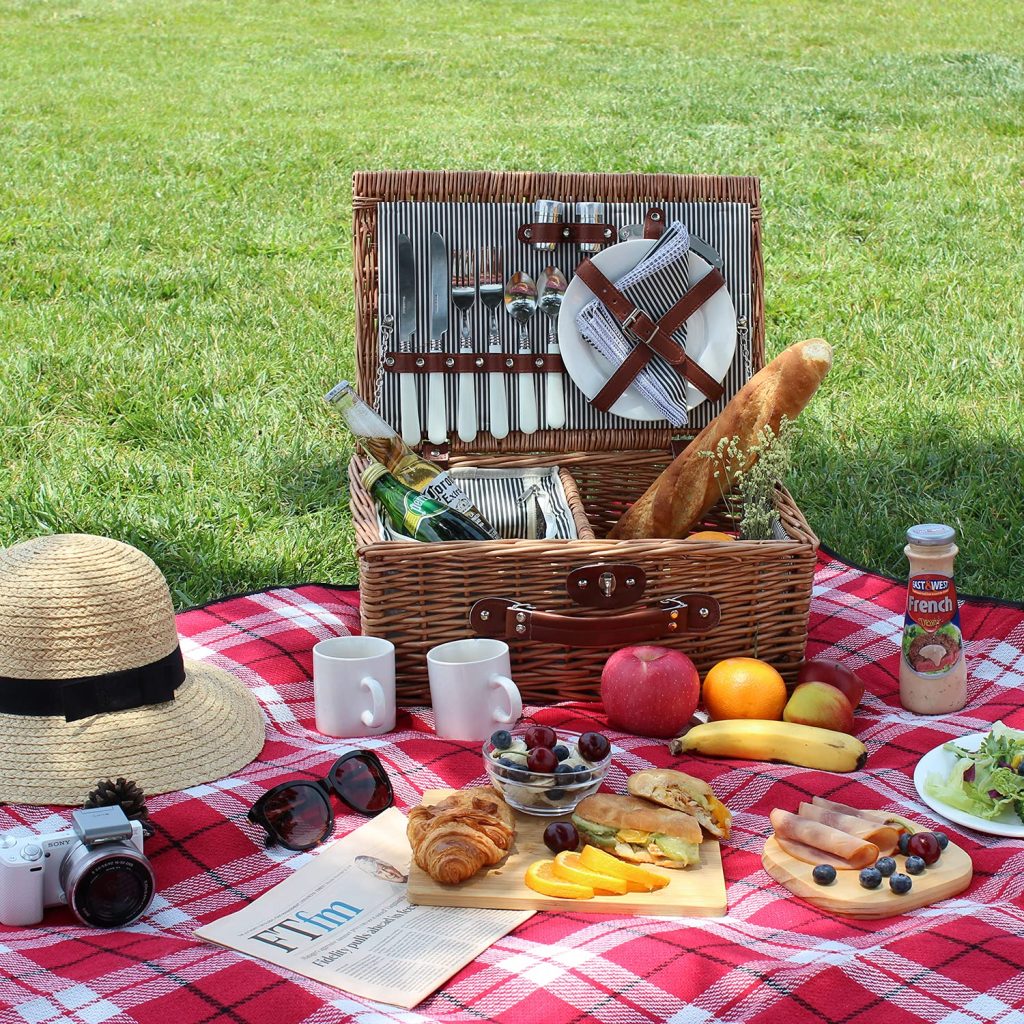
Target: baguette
{"x": 687, "y": 490}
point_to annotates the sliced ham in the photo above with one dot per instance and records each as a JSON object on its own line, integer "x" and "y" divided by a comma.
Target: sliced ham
{"x": 796, "y": 833}
{"x": 886, "y": 817}
{"x": 885, "y": 837}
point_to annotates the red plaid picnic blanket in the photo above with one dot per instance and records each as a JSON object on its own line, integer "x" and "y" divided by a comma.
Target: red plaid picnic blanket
{"x": 772, "y": 958}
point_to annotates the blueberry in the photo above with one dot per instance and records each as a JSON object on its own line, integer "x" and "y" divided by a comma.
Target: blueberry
{"x": 501, "y": 740}
{"x": 565, "y": 771}
{"x": 871, "y": 878}
{"x": 515, "y": 768}
{"x": 915, "y": 865}
{"x": 555, "y": 794}
{"x": 824, "y": 874}
{"x": 904, "y": 839}
{"x": 561, "y": 751}
{"x": 1020, "y": 768}
{"x": 886, "y": 866}
{"x": 943, "y": 839}
{"x": 900, "y": 884}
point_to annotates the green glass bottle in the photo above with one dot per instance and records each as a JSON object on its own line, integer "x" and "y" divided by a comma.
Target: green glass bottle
{"x": 414, "y": 514}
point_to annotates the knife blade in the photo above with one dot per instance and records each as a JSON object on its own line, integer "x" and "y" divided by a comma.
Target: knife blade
{"x": 437, "y": 414}
{"x": 409, "y": 408}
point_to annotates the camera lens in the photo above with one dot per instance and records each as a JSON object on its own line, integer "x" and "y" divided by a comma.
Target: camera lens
{"x": 107, "y": 887}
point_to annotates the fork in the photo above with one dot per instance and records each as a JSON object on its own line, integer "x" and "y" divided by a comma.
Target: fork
{"x": 492, "y": 295}
{"x": 463, "y": 297}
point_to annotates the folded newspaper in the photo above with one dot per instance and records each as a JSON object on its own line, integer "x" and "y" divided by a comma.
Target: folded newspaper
{"x": 344, "y": 919}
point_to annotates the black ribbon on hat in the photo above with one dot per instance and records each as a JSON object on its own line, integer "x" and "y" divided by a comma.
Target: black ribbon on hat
{"x": 84, "y": 696}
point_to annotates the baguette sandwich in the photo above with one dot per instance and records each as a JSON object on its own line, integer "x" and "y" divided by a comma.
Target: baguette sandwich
{"x": 638, "y": 831}
{"x": 683, "y": 793}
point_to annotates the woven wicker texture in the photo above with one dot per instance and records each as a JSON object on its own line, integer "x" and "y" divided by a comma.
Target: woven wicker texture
{"x": 420, "y": 595}
{"x": 75, "y": 605}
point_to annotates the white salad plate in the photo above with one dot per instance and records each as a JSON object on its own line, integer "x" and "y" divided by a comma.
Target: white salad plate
{"x": 710, "y": 332}
{"x": 941, "y": 762}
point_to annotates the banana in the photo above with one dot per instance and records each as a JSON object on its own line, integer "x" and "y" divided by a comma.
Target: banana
{"x": 788, "y": 742}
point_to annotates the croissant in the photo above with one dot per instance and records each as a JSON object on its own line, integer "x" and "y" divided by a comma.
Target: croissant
{"x": 452, "y": 840}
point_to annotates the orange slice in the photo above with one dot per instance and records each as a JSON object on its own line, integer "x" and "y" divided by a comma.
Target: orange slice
{"x": 605, "y": 864}
{"x": 540, "y": 877}
{"x": 568, "y": 866}
{"x": 709, "y": 535}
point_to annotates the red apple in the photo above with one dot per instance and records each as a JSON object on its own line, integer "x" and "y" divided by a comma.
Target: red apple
{"x": 651, "y": 691}
{"x": 818, "y": 670}
{"x": 822, "y": 705}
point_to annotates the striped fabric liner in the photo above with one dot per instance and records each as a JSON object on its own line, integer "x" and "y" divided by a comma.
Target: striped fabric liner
{"x": 526, "y": 504}
{"x": 724, "y": 226}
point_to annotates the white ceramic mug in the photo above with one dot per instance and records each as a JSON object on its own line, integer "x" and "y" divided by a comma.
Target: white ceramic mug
{"x": 471, "y": 688}
{"x": 354, "y": 685}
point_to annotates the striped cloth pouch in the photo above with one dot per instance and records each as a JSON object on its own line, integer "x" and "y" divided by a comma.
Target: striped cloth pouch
{"x": 524, "y": 504}
{"x": 655, "y": 284}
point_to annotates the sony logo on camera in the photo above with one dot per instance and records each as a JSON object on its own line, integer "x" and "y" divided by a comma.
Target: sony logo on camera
{"x": 299, "y": 927}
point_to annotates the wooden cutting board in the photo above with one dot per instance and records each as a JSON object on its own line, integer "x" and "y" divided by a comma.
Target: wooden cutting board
{"x": 949, "y": 875}
{"x": 697, "y": 891}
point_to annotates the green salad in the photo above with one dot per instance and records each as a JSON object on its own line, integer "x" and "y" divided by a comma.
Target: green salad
{"x": 987, "y": 781}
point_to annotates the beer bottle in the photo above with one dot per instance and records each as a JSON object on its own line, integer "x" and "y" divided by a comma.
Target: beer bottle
{"x": 383, "y": 443}
{"x": 416, "y": 515}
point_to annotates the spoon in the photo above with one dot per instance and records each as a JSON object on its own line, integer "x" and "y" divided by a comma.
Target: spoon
{"x": 521, "y": 305}
{"x": 551, "y": 290}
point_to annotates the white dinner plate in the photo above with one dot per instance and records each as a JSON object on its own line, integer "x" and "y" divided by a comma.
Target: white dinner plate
{"x": 710, "y": 332}
{"x": 942, "y": 761}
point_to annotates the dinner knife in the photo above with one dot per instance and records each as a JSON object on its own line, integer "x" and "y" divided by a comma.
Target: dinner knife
{"x": 410, "y": 413}
{"x": 437, "y": 414}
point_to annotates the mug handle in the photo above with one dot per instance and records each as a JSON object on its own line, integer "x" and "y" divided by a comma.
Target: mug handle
{"x": 373, "y": 716}
{"x": 515, "y": 702}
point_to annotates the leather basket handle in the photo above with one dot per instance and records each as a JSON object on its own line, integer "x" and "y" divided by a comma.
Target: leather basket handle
{"x": 686, "y": 613}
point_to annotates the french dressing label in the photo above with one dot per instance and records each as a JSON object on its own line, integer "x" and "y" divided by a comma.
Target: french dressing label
{"x": 932, "y": 641}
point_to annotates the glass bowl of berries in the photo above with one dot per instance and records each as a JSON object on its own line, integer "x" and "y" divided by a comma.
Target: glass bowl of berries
{"x": 546, "y": 772}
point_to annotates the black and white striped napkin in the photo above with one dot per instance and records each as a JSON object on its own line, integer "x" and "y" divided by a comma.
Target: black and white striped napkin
{"x": 655, "y": 284}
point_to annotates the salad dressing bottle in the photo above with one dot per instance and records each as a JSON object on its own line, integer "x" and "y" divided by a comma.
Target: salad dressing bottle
{"x": 933, "y": 674}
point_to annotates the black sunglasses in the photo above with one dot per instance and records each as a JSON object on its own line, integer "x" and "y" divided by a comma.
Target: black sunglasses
{"x": 298, "y": 815}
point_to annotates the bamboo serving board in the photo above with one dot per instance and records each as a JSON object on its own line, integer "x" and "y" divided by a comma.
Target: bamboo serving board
{"x": 697, "y": 891}
{"x": 950, "y": 875}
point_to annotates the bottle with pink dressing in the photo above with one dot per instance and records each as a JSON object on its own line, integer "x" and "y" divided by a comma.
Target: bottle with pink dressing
{"x": 933, "y": 674}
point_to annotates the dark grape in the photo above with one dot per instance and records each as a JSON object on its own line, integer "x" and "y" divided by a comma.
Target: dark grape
{"x": 501, "y": 740}
{"x": 925, "y": 846}
{"x": 541, "y": 760}
{"x": 561, "y": 835}
{"x": 900, "y": 884}
{"x": 593, "y": 746}
{"x": 540, "y": 736}
{"x": 871, "y": 878}
{"x": 824, "y": 874}
{"x": 942, "y": 839}
{"x": 915, "y": 865}
{"x": 904, "y": 839}
{"x": 561, "y": 751}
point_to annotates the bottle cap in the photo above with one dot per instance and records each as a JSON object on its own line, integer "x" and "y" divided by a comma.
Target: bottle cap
{"x": 931, "y": 534}
{"x": 339, "y": 388}
{"x": 373, "y": 472}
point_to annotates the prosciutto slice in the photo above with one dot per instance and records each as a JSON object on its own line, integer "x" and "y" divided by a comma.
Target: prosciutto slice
{"x": 885, "y": 837}
{"x": 885, "y": 817}
{"x": 808, "y": 840}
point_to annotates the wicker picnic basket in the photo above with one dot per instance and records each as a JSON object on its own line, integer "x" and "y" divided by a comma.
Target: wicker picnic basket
{"x": 421, "y": 595}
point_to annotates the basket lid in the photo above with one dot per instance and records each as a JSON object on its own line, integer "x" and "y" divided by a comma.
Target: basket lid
{"x": 469, "y": 209}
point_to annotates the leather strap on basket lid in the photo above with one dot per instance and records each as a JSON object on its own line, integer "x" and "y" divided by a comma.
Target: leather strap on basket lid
{"x": 651, "y": 335}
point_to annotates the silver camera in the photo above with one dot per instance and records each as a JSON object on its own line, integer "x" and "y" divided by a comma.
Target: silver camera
{"x": 98, "y": 869}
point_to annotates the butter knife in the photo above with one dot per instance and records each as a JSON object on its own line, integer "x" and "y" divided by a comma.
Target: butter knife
{"x": 437, "y": 414}
{"x": 410, "y": 414}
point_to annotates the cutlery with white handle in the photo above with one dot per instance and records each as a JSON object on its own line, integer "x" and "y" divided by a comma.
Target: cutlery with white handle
{"x": 410, "y": 413}
{"x": 463, "y": 296}
{"x": 550, "y": 290}
{"x": 521, "y": 305}
{"x": 491, "y": 293}
{"x": 437, "y": 413}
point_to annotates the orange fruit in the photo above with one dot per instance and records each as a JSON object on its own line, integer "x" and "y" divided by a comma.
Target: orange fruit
{"x": 744, "y": 688}
{"x": 569, "y": 867}
{"x": 639, "y": 879}
{"x": 709, "y": 535}
{"x": 541, "y": 877}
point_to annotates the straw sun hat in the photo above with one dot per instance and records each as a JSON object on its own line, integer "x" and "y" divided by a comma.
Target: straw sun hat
{"x": 93, "y": 684}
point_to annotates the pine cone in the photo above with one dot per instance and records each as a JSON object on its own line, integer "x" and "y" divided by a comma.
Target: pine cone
{"x": 124, "y": 794}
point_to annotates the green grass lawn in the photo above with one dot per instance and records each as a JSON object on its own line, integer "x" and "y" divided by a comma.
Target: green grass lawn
{"x": 175, "y": 244}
